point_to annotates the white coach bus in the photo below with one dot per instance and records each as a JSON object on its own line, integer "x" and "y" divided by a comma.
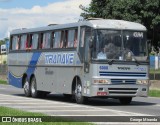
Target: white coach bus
{"x": 94, "y": 58}
{"x": 3, "y": 49}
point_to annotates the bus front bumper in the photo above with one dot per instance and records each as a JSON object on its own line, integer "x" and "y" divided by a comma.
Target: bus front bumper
{"x": 117, "y": 90}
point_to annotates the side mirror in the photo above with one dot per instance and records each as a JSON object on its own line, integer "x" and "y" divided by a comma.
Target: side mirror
{"x": 86, "y": 67}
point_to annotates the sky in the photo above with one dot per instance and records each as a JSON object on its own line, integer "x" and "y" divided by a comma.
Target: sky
{"x": 15, "y": 14}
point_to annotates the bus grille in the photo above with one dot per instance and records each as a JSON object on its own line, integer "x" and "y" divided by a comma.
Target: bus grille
{"x": 129, "y": 74}
{"x": 122, "y": 91}
{"x": 123, "y": 81}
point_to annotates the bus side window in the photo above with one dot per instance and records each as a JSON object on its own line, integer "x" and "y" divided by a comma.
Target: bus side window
{"x": 57, "y": 39}
{"x": 62, "y": 39}
{"x": 75, "y": 38}
{"x": 81, "y": 43}
{"x": 10, "y": 45}
{"x": 52, "y": 39}
{"x": 23, "y": 42}
{"x": 15, "y": 43}
{"x": 40, "y": 40}
{"x": 82, "y": 37}
{"x": 18, "y": 43}
{"x": 88, "y": 33}
{"x": 29, "y": 41}
{"x": 71, "y": 35}
{"x": 35, "y": 39}
{"x": 85, "y": 35}
{"x": 66, "y": 39}
{"x": 46, "y": 40}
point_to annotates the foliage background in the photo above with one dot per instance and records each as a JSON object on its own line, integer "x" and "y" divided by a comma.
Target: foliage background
{"x": 146, "y": 12}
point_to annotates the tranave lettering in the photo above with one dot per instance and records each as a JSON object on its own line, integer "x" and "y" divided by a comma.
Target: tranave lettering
{"x": 59, "y": 58}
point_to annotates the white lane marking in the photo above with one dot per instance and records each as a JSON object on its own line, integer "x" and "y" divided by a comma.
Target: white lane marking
{"x": 118, "y": 111}
{"x": 28, "y": 100}
{"x": 51, "y": 101}
{"x": 52, "y": 110}
{"x": 15, "y": 100}
{"x": 34, "y": 104}
{"x": 154, "y": 97}
{"x": 41, "y": 106}
{"x": 35, "y": 99}
{"x": 5, "y": 103}
{"x": 157, "y": 105}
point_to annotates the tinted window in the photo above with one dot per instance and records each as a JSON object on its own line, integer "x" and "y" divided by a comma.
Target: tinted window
{"x": 15, "y": 42}
{"x": 29, "y": 43}
{"x": 75, "y": 38}
{"x": 57, "y": 39}
{"x": 23, "y": 42}
{"x": 35, "y": 41}
{"x": 135, "y": 41}
{"x": 70, "y": 38}
{"x": 82, "y": 37}
{"x": 46, "y": 40}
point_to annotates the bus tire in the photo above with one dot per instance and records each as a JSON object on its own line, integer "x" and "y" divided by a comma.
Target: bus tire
{"x": 27, "y": 88}
{"x": 34, "y": 92}
{"x": 80, "y": 99}
{"x": 125, "y": 100}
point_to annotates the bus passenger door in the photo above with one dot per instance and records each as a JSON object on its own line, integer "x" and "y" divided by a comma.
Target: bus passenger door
{"x": 84, "y": 47}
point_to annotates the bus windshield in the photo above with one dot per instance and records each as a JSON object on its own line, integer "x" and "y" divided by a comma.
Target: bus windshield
{"x": 135, "y": 42}
{"x": 118, "y": 45}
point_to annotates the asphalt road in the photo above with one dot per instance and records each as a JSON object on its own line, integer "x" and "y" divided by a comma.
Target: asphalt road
{"x": 55, "y": 105}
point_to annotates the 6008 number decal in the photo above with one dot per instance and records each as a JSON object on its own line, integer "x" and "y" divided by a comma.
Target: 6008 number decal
{"x": 103, "y": 67}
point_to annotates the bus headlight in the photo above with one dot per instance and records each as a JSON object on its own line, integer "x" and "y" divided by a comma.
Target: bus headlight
{"x": 101, "y": 81}
{"x": 142, "y": 81}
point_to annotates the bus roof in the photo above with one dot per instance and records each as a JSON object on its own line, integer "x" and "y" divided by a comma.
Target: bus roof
{"x": 97, "y": 24}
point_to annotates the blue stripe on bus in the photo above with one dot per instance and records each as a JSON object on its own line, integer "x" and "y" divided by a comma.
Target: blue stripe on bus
{"x": 122, "y": 75}
{"x": 14, "y": 81}
{"x": 33, "y": 63}
{"x": 17, "y": 81}
{"x": 125, "y": 72}
{"x": 132, "y": 74}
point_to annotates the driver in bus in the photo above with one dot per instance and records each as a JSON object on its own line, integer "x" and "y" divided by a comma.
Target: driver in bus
{"x": 102, "y": 54}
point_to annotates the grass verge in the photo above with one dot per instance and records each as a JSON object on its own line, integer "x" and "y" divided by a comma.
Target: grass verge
{"x": 3, "y": 82}
{"x": 154, "y": 93}
{"x": 153, "y": 71}
{"x": 4, "y": 111}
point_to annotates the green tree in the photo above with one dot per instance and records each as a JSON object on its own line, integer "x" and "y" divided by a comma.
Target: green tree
{"x": 146, "y": 12}
{"x": 3, "y": 41}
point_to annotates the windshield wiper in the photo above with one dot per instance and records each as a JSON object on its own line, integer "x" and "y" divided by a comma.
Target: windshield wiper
{"x": 136, "y": 61}
{"x": 132, "y": 56}
{"x": 111, "y": 62}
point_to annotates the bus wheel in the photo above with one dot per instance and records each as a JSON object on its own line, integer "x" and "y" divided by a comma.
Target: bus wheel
{"x": 125, "y": 100}
{"x": 78, "y": 94}
{"x": 27, "y": 88}
{"x": 34, "y": 92}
